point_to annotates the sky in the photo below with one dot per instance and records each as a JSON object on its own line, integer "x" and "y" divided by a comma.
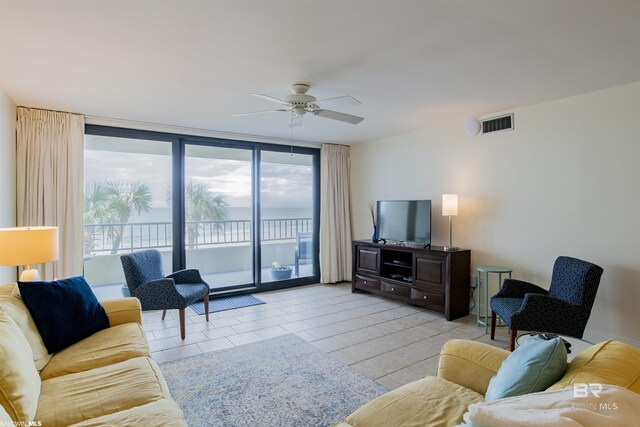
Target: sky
{"x": 285, "y": 182}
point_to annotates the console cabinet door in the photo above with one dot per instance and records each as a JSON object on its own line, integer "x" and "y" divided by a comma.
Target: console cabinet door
{"x": 368, "y": 260}
{"x": 430, "y": 272}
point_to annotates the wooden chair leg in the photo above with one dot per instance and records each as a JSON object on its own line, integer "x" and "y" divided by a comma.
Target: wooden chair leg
{"x": 206, "y": 306}
{"x": 182, "y": 334}
{"x": 493, "y": 325}
{"x": 164, "y": 313}
{"x": 512, "y": 345}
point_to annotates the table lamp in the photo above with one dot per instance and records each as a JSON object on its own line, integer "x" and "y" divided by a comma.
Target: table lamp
{"x": 28, "y": 246}
{"x": 450, "y": 208}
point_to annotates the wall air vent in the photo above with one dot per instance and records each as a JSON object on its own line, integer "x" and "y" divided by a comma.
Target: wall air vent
{"x": 497, "y": 124}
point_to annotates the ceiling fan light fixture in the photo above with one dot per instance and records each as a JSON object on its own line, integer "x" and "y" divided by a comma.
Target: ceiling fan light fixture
{"x": 298, "y": 110}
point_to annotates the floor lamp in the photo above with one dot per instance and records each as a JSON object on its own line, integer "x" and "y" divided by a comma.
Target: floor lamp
{"x": 28, "y": 246}
{"x": 450, "y": 209}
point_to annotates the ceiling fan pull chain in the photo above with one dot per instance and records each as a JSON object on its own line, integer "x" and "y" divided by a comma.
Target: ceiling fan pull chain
{"x": 291, "y": 133}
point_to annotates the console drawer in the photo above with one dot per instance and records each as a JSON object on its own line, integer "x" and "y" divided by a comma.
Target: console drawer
{"x": 367, "y": 282}
{"x": 394, "y": 289}
{"x": 430, "y": 298}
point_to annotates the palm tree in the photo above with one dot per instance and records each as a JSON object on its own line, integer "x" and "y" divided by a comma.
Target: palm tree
{"x": 95, "y": 212}
{"x": 122, "y": 200}
{"x": 113, "y": 203}
{"x": 201, "y": 205}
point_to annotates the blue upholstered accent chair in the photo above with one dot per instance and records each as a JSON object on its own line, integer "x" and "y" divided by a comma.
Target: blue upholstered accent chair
{"x": 146, "y": 281}
{"x": 563, "y": 309}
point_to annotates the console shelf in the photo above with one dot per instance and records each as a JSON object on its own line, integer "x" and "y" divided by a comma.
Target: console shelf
{"x": 430, "y": 278}
{"x": 391, "y": 264}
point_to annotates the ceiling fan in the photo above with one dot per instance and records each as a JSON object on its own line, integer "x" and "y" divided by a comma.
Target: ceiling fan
{"x": 299, "y": 104}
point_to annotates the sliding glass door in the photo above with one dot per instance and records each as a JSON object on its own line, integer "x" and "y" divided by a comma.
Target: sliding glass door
{"x": 244, "y": 214}
{"x": 218, "y": 206}
{"x": 287, "y": 215}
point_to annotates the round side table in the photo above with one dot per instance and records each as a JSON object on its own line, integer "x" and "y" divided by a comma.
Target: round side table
{"x": 486, "y": 269}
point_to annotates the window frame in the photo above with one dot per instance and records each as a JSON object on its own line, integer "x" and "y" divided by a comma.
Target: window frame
{"x": 178, "y": 144}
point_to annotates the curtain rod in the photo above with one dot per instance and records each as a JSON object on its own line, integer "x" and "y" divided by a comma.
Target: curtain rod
{"x": 49, "y": 109}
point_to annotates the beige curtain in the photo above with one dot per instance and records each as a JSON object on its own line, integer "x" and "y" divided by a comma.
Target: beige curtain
{"x": 49, "y": 156}
{"x": 335, "y": 221}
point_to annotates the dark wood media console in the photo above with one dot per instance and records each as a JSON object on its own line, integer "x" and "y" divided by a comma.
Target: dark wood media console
{"x": 430, "y": 278}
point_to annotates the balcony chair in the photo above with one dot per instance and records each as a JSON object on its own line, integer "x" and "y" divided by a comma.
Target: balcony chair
{"x": 563, "y": 309}
{"x": 304, "y": 249}
{"x": 147, "y": 282}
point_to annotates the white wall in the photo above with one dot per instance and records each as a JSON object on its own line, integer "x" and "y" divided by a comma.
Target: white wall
{"x": 564, "y": 182}
{"x": 7, "y": 172}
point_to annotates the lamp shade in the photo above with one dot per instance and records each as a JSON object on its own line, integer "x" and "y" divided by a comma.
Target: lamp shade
{"x": 449, "y": 205}
{"x": 28, "y": 245}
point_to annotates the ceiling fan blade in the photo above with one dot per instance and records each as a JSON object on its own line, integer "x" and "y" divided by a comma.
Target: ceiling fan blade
{"x": 270, "y": 98}
{"x": 335, "y": 115}
{"x": 338, "y": 101}
{"x": 257, "y": 112}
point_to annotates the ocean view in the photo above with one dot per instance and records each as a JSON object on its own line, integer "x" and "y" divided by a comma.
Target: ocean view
{"x": 236, "y": 213}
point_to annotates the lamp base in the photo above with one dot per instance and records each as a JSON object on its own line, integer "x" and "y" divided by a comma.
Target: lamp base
{"x": 450, "y": 249}
{"x": 31, "y": 275}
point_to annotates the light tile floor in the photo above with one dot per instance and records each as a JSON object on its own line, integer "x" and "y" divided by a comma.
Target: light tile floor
{"x": 390, "y": 342}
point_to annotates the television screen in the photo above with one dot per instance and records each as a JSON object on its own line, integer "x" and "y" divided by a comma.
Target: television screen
{"x": 406, "y": 220}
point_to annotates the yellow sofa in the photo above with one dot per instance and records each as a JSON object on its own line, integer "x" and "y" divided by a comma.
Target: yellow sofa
{"x": 108, "y": 378}
{"x": 464, "y": 370}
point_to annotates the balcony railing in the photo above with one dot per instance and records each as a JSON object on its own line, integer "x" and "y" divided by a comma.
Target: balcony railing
{"x": 129, "y": 237}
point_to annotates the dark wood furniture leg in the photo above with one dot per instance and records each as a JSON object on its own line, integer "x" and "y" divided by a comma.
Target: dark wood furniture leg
{"x": 206, "y": 306}
{"x": 512, "y": 345}
{"x": 182, "y": 323}
{"x": 164, "y": 313}
{"x": 493, "y": 325}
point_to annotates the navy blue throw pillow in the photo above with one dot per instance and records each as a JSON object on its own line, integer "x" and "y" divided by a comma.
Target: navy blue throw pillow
{"x": 65, "y": 311}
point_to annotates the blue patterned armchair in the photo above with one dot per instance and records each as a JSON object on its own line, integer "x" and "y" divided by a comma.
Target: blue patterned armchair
{"x": 146, "y": 281}
{"x": 563, "y": 309}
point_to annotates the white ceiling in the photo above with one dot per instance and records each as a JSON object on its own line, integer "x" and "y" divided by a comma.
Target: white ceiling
{"x": 411, "y": 63}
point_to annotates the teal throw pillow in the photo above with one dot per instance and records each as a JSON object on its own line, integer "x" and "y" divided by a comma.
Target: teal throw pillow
{"x": 534, "y": 366}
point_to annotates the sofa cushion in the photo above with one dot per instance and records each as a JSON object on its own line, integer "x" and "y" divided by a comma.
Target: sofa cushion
{"x": 105, "y": 347}
{"x": 101, "y": 391}
{"x": 430, "y": 401}
{"x": 609, "y": 362}
{"x": 163, "y": 412}
{"x": 469, "y": 363}
{"x": 65, "y": 311}
{"x": 11, "y": 302}
{"x": 19, "y": 379}
{"x": 532, "y": 367}
{"x": 122, "y": 310}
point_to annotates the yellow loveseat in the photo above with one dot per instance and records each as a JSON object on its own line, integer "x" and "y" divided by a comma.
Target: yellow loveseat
{"x": 464, "y": 371}
{"x": 108, "y": 378}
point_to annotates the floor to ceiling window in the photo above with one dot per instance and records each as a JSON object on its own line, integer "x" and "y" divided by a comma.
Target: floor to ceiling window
{"x": 243, "y": 213}
{"x": 126, "y": 208}
{"x": 287, "y": 215}
{"x": 218, "y": 212}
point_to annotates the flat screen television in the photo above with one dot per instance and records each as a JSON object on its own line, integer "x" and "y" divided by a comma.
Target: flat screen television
{"x": 406, "y": 220}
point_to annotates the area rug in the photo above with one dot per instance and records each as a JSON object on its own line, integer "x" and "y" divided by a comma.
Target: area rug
{"x": 282, "y": 381}
{"x": 227, "y": 303}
